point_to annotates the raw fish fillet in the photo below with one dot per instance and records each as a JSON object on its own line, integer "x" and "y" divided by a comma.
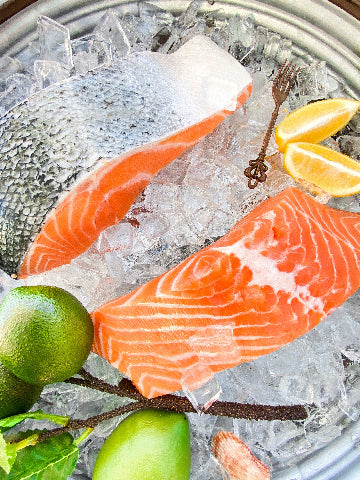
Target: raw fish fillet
{"x": 75, "y": 155}
{"x": 275, "y": 275}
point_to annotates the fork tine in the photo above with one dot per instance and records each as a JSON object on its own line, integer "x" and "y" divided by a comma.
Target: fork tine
{"x": 292, "y": 79}
{"x": 287, "y": 75}
{"x": 282, "y": 70}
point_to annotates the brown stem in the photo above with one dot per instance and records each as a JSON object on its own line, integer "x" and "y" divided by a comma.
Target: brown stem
{"x": 89, "y": 422}
{"x": 182, "y": 404}
{"x": 168, "y": 402}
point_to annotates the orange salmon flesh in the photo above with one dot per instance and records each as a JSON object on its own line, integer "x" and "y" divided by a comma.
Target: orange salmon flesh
{"x": 276, "y": 274}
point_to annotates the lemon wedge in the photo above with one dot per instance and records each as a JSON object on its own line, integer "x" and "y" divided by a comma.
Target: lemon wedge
{"x": 315, "y": 122}
{"x": 331, "y": 171}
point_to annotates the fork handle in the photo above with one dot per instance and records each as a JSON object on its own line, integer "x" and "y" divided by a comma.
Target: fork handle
{"x": 257, "y": 168}
{"x": 268, "y": 133}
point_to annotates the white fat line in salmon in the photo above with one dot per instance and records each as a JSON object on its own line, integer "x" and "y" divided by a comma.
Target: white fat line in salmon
{"x": 176, "y": 328}
{"x": 175, "y": 362}
{"x": 265, "y": 272}
{"x": 322, "y": 223}
{"x": 206, "y": 329}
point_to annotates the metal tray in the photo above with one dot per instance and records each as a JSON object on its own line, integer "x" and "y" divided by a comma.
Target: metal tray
{"x": 316, "y": 27}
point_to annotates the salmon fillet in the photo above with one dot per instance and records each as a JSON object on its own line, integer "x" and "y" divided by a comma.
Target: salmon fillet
{"x": 275, "y": 275}
{"x": 75, "y": 156}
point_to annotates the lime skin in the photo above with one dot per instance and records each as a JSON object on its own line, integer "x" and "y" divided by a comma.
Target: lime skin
{"x": 147, "y": 445}
{"x": 45, "y": 334}
{"x": 16, "y": 396}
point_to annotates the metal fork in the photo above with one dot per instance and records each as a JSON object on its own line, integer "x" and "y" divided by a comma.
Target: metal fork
{"x": 282, "y": 84}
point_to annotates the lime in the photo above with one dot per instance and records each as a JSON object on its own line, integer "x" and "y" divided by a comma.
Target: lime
{"x": 16, "y": 396}
{"x": 147, "y": 445}
{"x": 45, "y": 334}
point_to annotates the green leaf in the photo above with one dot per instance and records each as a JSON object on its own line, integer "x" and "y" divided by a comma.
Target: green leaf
{"x": 7, "y": 454}
{"x": 9, "y": 422}
{"x": 52, "y": 459}
{"x": 8, "y": 450}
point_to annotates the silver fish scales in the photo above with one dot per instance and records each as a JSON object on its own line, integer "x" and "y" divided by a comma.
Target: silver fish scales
{"x": 61, "y": 135}
{"x": 51, "y": 139}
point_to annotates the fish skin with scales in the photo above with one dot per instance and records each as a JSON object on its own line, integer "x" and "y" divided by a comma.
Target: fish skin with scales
{"x": 62, "y": 137}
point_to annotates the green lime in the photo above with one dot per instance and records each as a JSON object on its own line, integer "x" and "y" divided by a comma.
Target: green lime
{"x": 16, "y": 396}
{"x": 45, "y": 334}
{"x": 147, "y": 445}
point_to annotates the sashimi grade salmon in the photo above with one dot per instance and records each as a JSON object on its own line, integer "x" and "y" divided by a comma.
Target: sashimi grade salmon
{"x": 281, "y": 270}
{"x": 74, "y": 156}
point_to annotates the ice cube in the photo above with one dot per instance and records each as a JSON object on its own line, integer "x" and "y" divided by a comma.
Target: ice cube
{"x": 152, "y": 226}
{"x": 350, "y": 145}
{"x": 173, "y": 173}
{"x": 163, "y": 198}
{"x": 259, "y": 110}
{"x": 288, "y": 363}
{"x": 149, "y": 12}
{"x": 293, "y": 451}
{"x": 28, "y": 55}
{"x": 204, "y": 396}
{"x": 231, "y": 389}
{"x": 114, "y": 262}
{"x": 48, "y": 72}
{"x": 242, "y": 30}
{"x": 324, "y": 435}
{"x": 17, "y": 88}
{"x": 188, "y": 16}
{"x": 351, "y": 203}
{"x": 323, "y": 425}
{"x": 354, "y": 123}
{"x": 117, "y": 237}
{"x": 272, "y": 45}
{"x": 321, "y": 374}
{"x": 90, "y": 52}
{"x": 154, "y": 25}
{"x": 278, "y": 180}
{"x": 81, "y": 278}
{"x": 150, "y": 29}
{"x": 284, "y": 51}
{"x": 208, "y": 470}
{"x": 345, "y": 331}
{"x": 259, "y": 385}
{"x": 110, "y": 29}
{"x": 201, "y": 428}
{"x": 312, "y": 83}
{"x": 296, "y": 389}
{"x": 8, "y": 67}
{"x": 268, "y": 50}
{"x": 54, "y": 40}
{"x": 105, "y": 291}
{"x": 201, "y": 171}
{"x": 188, "y": 24}
{"x": 100, "y": 367}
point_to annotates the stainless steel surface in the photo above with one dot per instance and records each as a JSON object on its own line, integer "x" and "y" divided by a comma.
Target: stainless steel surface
{"x": 317, "y": 28}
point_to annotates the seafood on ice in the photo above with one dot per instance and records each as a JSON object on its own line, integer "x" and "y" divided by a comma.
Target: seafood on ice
{"x": 276, "y": 274}
{"x": 75, "y": 155}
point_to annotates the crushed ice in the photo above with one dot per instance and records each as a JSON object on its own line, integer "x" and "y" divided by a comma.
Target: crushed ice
{"x": 189, "y": 204}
